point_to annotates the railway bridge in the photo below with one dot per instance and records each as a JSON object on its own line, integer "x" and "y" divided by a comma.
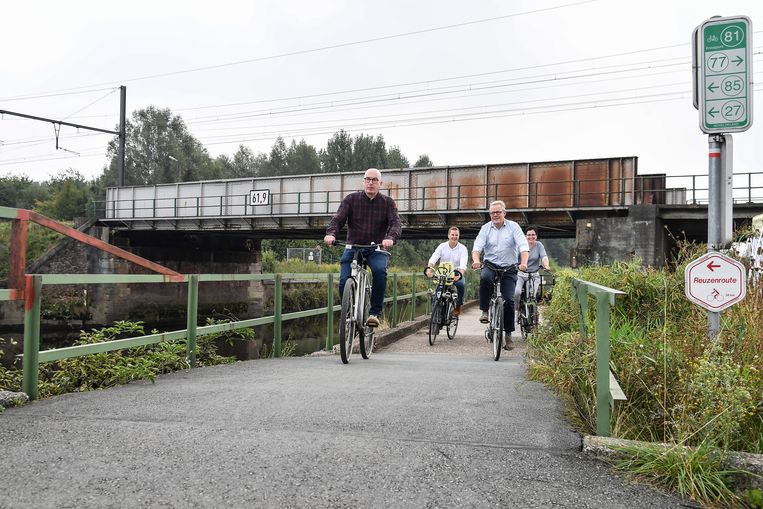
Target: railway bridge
{"x": 611, "y": 210}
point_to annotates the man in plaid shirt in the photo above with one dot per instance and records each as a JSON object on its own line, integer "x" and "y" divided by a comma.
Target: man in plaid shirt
{"x": 371, "y": 217}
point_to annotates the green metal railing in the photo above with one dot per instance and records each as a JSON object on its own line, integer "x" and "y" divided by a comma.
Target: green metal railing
{"x": 32, "y": 356}
{"x": 607, "y": 389}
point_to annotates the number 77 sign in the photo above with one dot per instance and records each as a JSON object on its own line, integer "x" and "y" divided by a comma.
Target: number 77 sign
{"x": 724, "y": 80}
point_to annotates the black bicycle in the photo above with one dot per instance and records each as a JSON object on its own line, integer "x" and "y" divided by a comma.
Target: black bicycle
{"x": 528, "y": 317}
{"x": 356, "y": 303}
{"x": 444, "y": 301}
{"x": 495, "y": 333}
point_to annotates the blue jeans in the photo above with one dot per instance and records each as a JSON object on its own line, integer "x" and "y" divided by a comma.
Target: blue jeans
{"x": 461, "y": 289}
{"x": 378, "y": 264}
{"x": 508, "y": 282}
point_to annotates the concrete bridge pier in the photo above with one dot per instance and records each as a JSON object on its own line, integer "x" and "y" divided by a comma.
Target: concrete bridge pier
{"x": 186, "y": 253}
{"x": 640, "y": 234}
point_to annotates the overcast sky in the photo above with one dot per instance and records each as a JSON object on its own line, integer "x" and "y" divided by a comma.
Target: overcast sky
{"x": 464, "y": 82}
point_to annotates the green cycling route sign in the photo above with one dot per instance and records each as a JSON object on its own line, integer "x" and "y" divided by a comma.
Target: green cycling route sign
{"x": 724, "y": 74}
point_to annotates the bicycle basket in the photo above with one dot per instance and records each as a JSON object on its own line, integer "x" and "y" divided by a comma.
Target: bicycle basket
{"x": 444, "y": 269}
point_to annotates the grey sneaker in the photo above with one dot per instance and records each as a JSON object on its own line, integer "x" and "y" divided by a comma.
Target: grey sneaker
{"x": 483, "y": 317}
{"x": 508, "y": 344}
{"x": 373, "y": 321}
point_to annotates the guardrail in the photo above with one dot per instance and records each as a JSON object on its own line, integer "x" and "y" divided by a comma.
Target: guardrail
{"x": 32, "y": 356}
{"x": 205, "y": 199}
{"x": 607, "y": 389}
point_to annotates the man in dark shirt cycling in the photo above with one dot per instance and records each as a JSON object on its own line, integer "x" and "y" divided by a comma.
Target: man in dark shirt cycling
{"x": 371, "y": 217}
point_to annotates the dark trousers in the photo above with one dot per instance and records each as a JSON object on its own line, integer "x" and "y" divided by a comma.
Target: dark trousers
{"x": 508, "y": 282}
{"x": 460, "y": 288}
{"x": 378, "y": 264}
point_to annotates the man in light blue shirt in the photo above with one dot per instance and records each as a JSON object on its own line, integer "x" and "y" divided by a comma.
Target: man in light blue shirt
{"x": 500, "y": 240}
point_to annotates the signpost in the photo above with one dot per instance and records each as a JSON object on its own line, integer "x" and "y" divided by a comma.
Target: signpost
{"x": 715, "y": 282}
{"x": 724, "y": 77}
{"x": 722, "y": 67}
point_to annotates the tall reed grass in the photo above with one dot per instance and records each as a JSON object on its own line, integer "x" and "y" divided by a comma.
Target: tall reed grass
{"x": 682, "y": 388}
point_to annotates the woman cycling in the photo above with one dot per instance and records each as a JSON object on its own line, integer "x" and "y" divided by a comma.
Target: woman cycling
{"x": 535, "y": 260}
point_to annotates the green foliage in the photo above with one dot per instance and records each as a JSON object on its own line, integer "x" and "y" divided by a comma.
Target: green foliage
{"x": 301, "y": 159}
{"x": 39, "y": 240}
{"x": 21, "y": 192}
{"x": 69, "y": 195}
{"x": 423, "y": 162}
{"x": 288, "y": 349}
{"x": 696, "y": 473}
{"x": 396, "y": 159}
{"x": 268, "y": 261}
{"x": 681, "y": 387}
{"x": 67, "y": 304}
{"x": 101, "y": 370}
{"x": 719, "y": 399}
{"x": 159, "y": 149}
{"x": 337, "y": 156}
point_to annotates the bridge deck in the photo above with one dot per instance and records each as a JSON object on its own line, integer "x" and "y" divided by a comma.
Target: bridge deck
{"x": 402, "y": 429}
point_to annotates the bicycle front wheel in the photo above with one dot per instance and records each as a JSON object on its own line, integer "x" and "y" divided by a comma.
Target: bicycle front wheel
{"x": 366, "y": 333}
{"x": 524, "y": 320}
{"x": 434, "y": 321}
{"x": 452, "y": 320}
{"x": 347, "y": 325}
{"x": 497, "y": 326}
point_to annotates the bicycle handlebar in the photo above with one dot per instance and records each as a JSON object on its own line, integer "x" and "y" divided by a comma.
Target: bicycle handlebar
{"x": 496, "y": 268}
{"x": 378, "y": 247}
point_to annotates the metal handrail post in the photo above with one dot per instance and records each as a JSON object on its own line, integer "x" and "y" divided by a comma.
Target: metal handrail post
{"x": 413, "y": 297}
{"x": 191, "y": 318}
{"x": 694, "y": 189}
{"x": 749, "y": 188}
{"x": 394, "y": 299}
{"x": 330, "y": 314}
{"x": 602, "y": 365}
{"x": 277, "y": 301}
{"x": 31, "y": 365}
{"x": 581, "y": 291}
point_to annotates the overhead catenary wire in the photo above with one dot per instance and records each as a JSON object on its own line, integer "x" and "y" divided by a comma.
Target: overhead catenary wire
{"x": 291, "y": 111}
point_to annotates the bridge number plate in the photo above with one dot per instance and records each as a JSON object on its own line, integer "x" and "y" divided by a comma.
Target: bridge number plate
{"x": 715, "y": 281}
{"x": 261, "y": 197}
{"x": 725, "y": 77}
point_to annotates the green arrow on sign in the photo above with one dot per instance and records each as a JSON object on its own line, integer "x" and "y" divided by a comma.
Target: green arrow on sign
{"x": 713, "y": 112}
{"x": 738, "y": 60}
{"x": 711, "y": 87}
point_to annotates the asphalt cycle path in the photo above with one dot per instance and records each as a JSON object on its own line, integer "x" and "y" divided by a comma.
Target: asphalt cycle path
{"x": 402, "y": 429}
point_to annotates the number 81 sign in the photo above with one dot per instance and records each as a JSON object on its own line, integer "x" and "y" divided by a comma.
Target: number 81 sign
{"x": 724, "y": 80}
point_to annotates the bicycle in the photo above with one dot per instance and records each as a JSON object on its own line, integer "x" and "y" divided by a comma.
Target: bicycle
{"x": 495, "y": 333}
{"x": 444, "y": 300}
{"x": 356, "y": 303}
{"x": 527, "y": 318}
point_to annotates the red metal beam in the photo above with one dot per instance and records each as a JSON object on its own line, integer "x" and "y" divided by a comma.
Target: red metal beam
{"x": 18, "y": 256}
{"x": 28, "y": 215}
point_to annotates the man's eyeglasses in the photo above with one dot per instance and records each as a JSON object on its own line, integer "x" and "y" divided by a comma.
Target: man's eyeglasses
{"x": 496, "y": 212}
{"x": 371, "y": 179}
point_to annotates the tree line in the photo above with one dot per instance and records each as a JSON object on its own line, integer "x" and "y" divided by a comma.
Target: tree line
{"x": 160, "y": 149}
